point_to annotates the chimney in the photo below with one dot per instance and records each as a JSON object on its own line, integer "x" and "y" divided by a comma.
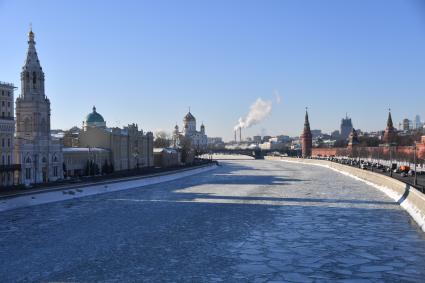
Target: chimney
{"x": 240, "y": 134}
{"x": 235, "y": 136}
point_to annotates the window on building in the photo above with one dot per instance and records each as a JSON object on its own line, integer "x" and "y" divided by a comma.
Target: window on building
{"x": 8, "y": 93}
{"x": 8, "y": 114}
{"x": 8, "y": 104}
{"x": 2, "y": 92}
{"x": 2, "y": 103}
{"x": 43, "y": 125}
{"x": 2, "y": 160}
{"x": 2, "y": 142}
{"x": 55, "y": 171}
{"x": 34, "y": 78}
{"x": 8, "y": 160}
{"x": 27, "y": 125}
{"x": 8, "y": 142}
{"x": 28, "y": 160}
{"x": 28, "y": 173}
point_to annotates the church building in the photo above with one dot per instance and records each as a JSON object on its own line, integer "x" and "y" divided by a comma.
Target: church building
{"x": 198, "y": 139}
{"x": 38, "y": 153}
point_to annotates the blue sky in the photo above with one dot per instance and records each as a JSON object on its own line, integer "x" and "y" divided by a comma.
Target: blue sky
{"x": 148, "y": 61}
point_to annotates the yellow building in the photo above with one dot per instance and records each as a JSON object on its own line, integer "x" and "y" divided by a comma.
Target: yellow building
{"x": 129, "y": 147}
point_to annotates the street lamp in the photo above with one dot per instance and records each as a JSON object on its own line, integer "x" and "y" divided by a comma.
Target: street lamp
{"x": 391, "y": 161}
{"x": 414, "y": 160}
{"x": 136, "y": 157}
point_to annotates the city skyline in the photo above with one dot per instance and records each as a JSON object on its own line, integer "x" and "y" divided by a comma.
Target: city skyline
{"x": 97, "y": 69}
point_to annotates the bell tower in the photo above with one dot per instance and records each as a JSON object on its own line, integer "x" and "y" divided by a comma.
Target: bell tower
{"x": 40, "y": 155}
{"x": 32, "y": 106}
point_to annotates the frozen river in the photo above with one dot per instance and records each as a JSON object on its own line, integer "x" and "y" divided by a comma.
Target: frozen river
{"x": 249, "y": 220}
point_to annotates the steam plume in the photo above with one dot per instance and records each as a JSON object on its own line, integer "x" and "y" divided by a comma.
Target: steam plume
{"x": 259, "y": 110}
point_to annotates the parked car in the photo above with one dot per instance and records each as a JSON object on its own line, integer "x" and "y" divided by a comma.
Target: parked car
{"x": 404, "y": 168}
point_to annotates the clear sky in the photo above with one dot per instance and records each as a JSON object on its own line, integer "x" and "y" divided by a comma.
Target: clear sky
{"x": 148, "y": 61}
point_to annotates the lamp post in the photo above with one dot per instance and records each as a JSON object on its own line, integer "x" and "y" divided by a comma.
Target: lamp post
{"x": 415, "y": 182}
{"x": 391, "y": 161}
{"x": 136, "y": 157}
{"x": 35, "y": 167}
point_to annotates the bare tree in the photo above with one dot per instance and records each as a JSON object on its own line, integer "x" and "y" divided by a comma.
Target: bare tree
{"x": 162, "y": 139}
{"x": 186, "y": 148}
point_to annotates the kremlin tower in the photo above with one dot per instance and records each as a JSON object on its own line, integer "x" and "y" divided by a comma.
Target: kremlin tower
{"x": 390, "y": 134}
{"x": 306, "y": 138}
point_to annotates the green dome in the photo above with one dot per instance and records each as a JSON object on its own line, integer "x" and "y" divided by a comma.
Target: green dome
{"x": 94, "y": 117}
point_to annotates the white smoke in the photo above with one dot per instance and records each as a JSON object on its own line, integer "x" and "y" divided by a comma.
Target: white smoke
{"x": 259, "y": 110}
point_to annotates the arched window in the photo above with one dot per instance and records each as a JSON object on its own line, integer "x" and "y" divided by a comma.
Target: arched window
{"x": 27, "y": 125}
{"x": 43, "y": 126}
{"x": 44, "y": 159}
{"x": 54, "y": 158}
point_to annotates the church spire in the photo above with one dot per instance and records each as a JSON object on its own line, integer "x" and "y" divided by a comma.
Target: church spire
{"x": 306, "y": 137}
{"x": 390, "y": 120}
{"x": 32, "y": 76}
{"x": 32, "y": 63}
{"x": 306, "y": 121}
{"x": 390, "y": 134}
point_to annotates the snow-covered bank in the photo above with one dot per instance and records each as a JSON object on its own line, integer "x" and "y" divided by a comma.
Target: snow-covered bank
{"x": 409, "y": 198}
{"x": 65, "y": 194}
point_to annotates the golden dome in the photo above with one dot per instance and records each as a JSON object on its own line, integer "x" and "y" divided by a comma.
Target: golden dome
{"x": 31, "y": 35}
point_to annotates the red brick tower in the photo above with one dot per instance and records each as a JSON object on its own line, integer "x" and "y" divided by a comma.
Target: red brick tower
{"x": 390, "y": 134}
{"x": 306, "y": 138}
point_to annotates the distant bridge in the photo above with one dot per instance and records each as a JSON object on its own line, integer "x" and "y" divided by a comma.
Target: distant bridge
{"x": 256, "y": 153}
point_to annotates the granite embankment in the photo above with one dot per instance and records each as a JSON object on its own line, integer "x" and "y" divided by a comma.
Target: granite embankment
{"x": 77, "y": 191}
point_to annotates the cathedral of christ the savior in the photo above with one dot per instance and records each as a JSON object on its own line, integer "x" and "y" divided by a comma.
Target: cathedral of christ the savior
{"x": 38, "y": 153}
{"x": 198, "y": 139}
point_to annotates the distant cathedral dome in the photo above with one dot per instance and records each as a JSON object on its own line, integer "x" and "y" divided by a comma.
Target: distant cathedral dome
{"x": 94, "y": 119}
{"x": 189, "y": 117}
